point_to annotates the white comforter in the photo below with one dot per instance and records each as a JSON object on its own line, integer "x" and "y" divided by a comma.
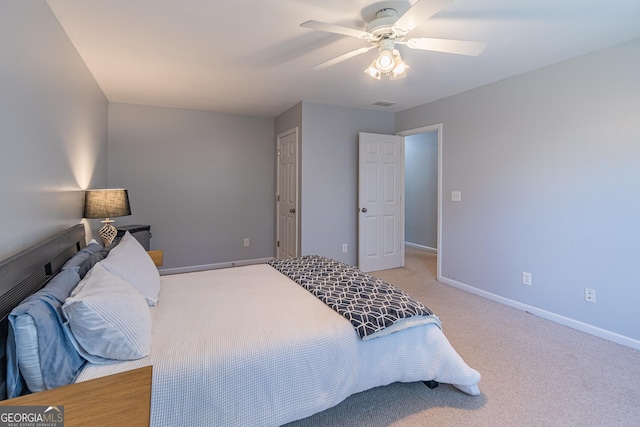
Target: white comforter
{"x": 246, "y": 346}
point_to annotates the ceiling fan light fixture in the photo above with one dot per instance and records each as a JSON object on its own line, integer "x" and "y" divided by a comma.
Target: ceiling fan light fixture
{"x": 398, "y": 75}
{"x": 389, "y": 63}
{"x": 400, "y": 68}
{"x": 385, "y": 62}
{"x": 373, "y": 71}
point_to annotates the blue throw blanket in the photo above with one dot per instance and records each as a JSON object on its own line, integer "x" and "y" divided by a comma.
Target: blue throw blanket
{"x": 60, "y": 363}
{"x": 373, "y": 307}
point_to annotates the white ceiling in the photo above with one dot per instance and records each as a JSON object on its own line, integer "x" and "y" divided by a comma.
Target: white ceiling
{"x": 252, "y": 57}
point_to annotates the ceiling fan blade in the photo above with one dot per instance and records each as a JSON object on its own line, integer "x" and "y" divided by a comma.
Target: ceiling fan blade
{"x": 341, "y": 58}
{"x": 459, "y": 47}
{"x": 336, "y": 29}
{"x": 420, "y": 12}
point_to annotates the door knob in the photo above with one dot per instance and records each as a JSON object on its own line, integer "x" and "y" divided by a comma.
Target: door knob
{"x": 363, "y": 210}
{"x": 292, "y": 210}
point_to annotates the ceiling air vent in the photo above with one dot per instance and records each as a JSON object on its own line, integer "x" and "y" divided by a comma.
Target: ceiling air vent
{"x": 384, "y": 103}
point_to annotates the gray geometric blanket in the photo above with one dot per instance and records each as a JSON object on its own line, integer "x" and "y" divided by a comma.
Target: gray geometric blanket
{"x": 373, "y": 307}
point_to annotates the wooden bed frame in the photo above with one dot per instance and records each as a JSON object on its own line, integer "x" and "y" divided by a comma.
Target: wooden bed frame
{"x": 122, "y": 399}
{"x": 29, "y": 270}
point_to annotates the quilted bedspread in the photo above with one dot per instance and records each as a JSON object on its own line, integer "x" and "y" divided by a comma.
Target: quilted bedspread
{"x": 374, "y": 308}
{"x": 248, "y": 347}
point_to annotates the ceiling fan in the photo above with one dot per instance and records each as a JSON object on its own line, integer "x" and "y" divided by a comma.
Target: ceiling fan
{"x": 387, "y": 30}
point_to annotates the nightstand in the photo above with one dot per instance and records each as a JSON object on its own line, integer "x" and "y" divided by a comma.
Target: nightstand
{"x": 157, "y": 257}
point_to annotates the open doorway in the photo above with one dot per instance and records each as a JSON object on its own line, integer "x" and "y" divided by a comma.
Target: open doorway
{"x": 423, "y": 185}
{"x": 421, "y": 191}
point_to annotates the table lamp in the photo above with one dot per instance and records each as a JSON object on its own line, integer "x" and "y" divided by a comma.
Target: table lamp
{"x": 106, "y": 203}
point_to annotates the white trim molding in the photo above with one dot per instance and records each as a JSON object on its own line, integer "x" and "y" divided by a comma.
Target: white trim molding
{"x": 420, "y": 247}
{"x": 562, "y": 320}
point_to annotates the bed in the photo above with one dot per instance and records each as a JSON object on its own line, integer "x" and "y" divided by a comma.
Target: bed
{"x": 251, "y": 345}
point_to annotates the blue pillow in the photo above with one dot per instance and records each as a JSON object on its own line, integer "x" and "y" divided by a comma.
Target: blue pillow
{"x": 92, "y": 260}
{"x": 83, "y": 255}
{"x": 40, "y": 355}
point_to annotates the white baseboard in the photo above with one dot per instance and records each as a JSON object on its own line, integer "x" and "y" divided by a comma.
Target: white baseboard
{"x": 421, "y": 247}
{"x": 566, "y": 321}
{"x": 190, "y": 269}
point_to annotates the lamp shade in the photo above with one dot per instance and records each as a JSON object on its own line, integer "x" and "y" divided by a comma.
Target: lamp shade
{"x": 107, "y": 203}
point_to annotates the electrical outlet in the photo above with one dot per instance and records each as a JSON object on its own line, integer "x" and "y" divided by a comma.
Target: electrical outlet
{"x": 590, "y": 295}
{"x": 246, "y": 242}
{"x": 344, "y": 248}
{"x": 526, "y": 278}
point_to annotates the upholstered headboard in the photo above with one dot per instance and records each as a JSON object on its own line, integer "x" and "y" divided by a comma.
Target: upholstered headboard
{"x": 29, "y": 270}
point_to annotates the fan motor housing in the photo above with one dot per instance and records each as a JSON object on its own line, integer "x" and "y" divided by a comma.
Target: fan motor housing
{"x": 383, "y": 26}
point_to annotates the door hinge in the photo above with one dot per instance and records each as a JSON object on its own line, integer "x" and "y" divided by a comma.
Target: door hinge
{"x": 278, "y": 244}
{"x": 278, "y": 198}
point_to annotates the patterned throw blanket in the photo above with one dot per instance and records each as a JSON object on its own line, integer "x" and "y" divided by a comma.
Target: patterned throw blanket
{"x": 374, "y": 308}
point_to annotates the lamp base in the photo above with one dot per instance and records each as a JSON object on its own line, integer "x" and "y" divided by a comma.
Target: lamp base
{"x": 108, "y": 232}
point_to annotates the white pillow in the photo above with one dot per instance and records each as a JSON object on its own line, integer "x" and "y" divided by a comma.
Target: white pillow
{"x": 130, "y": 261}
{"x": 108, "y": 319}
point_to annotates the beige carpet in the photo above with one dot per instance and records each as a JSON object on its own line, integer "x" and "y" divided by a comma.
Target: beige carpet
{"x": 534, "y": 372}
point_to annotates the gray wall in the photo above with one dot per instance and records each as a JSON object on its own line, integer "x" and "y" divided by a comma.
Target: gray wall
{"x": 548, "y": 164}
{"x": 330, "y": 176}
{"x": 204, "y": 181}
{"x": 421, "y": 189}
{"x": 289, "y": 119}
{"x": 53, "y": 127}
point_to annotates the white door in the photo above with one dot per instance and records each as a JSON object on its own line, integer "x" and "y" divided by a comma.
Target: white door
{"x": 380, "y": 202}
{"x": 287, "y": 195}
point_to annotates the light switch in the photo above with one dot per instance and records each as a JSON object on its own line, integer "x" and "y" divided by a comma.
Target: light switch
{"x": 455, "y": 196}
